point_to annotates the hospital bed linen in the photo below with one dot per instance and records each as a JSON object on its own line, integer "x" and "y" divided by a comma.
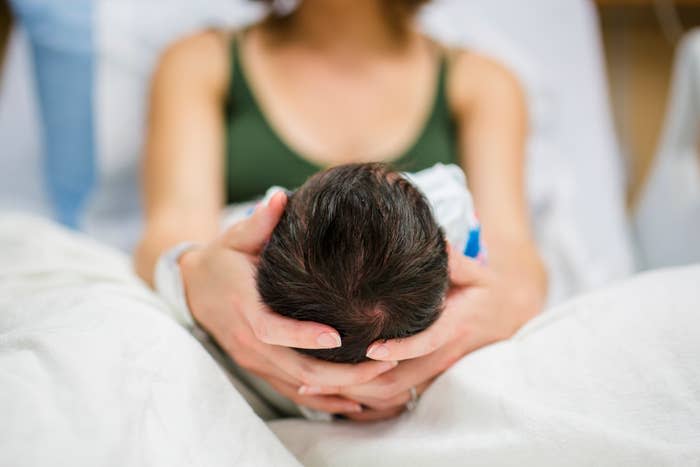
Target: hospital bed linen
{"x": 94, "y": 372}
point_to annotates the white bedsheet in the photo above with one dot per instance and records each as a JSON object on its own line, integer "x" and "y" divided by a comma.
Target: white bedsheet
{"x": 93, "y": 372}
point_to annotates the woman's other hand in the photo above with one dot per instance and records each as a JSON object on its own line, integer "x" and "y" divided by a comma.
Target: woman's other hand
{"x": 481, "y": 308}
{"x": 222, "y": 294}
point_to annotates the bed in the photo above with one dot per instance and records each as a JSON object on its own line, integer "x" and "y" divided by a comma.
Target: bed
{"x": 95, "y": 371}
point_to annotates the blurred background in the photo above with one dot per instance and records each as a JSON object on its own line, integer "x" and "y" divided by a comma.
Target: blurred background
{"x": 639, "y": 37}
{"x": 613, "y": 89}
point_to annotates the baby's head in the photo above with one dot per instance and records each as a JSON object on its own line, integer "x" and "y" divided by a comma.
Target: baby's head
{"x": 358, "y": 249}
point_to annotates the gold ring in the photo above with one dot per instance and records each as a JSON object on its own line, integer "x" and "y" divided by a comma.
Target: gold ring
{"x": 413, "y": 403}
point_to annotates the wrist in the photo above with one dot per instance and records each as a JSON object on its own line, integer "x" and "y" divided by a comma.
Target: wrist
{"x": 170, "y": 281}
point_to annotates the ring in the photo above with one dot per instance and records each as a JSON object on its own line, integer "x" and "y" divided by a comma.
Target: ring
{"x": 413, "y": 403}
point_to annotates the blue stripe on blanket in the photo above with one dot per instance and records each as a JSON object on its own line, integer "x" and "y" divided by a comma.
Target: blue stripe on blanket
{"x": 62, "y": 42}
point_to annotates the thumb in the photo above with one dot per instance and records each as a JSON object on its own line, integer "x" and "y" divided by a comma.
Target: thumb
{"x": 463, "y": 270}
{"x": 250, "y": 235}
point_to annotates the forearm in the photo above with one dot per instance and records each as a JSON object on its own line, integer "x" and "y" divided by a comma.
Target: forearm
{"x": 520, "y": 267}
{"x": 159, "y": 237}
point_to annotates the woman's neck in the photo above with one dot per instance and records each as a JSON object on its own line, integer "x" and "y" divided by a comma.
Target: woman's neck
{"x": 344, "y": 25}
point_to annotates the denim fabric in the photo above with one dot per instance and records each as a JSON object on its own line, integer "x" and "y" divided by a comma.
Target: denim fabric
{"x": 63, "y": 47}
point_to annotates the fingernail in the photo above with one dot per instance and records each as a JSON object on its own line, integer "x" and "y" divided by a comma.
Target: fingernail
{"x": 378, "y": 352}
{"x": 310, "y": 390}
{"x": 328, "y": 340}
{"x": 388, "y": 366}
{"x": 276, "y": 194}
{"x": 284, "y": 200}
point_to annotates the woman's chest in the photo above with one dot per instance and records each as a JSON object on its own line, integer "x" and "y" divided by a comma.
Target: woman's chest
{"x": 344, "y": 113}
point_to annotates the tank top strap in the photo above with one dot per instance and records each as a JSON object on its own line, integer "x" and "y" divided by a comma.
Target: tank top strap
{"x": 441, "y": 107}
{"x": 240, "y": 91}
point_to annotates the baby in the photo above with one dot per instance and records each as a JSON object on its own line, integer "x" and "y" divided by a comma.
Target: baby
{"x": 359, "y": 248}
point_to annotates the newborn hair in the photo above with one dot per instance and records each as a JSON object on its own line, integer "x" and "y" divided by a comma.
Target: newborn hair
{"x": 358, "y": 249}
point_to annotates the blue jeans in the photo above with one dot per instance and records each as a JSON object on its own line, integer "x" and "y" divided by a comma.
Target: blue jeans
{"x": 62, "y": 43}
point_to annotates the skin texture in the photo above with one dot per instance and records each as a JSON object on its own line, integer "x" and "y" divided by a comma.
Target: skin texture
{"x": 336, "y": 54}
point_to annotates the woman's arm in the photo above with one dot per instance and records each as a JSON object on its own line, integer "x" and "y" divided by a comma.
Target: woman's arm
{"x": 183, "y": 168}
{"x": 491, "y": 110}
{"x": 184, "y": 186}
{"x": 484, "y": 304}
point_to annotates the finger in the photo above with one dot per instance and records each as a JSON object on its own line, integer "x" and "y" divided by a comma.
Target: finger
{"x": 328, "y": 404}
{"x": 368, "y": 416}
{"x": 258, "y": 364}
{"x": 319, "y": 390}
{"x": 463, "y": 270}
{"x": 271, "y": 328}
{"x": 250, "y": 235}
{"x": 420, "y": 344}
{"x": 412, "y": 373}
{"x": 314, "y": 372}
{"x": 399, "y": 400}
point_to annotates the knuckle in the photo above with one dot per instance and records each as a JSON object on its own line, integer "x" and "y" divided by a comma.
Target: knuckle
{"x": 234, "y": 231}
{"x": 392, "y": 403}
{"x": 230, "y": 342}
{"x": 244, "y": 339}
{"x": 307, "y": 374}
{"x": 260, "y": 330}
{"x": 244, "y": 360}
{"x": 432, "y": 344}
{"x": 361, "y": 377}
{"x": 389, "y": 387}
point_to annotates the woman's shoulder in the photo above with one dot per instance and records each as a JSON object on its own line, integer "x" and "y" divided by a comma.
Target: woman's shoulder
{"x": 473, "y": 76}
{"x": 202, "y": 58}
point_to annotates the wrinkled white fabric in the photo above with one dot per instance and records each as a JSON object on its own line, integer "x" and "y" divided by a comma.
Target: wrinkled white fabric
{"x": 445, "y": 188}
{"x": 93, "y": 373}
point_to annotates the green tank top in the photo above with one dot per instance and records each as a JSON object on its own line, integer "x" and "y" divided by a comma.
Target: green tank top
{"x": 256, "y": 157}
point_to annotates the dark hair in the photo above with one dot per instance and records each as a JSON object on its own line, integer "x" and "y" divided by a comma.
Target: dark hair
{"x": 358, "y": 249}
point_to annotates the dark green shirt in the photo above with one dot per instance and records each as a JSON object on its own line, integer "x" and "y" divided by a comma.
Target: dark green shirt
{"x": 256, "y": 157}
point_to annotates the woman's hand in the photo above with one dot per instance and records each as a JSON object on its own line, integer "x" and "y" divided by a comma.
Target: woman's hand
{"x": 481, "y": 308}
{"x": 222, "y": 294}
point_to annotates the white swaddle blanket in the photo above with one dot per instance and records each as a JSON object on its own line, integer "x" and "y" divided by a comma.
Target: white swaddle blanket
{"x": 93, "y": 373}
{"x": 445, "y": 188}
